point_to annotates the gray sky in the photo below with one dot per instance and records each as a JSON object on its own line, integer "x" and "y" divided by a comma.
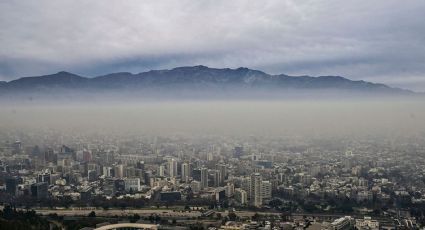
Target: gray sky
{"x": 380, "y": 40}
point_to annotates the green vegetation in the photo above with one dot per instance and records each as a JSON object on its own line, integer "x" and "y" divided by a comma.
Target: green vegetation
{"x": 12, "y": 219}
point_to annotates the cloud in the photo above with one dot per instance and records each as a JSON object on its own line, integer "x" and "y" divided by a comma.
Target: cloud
{"x": 381, "y": 40}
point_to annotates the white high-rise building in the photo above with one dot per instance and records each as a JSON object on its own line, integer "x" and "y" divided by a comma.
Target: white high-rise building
{"x": 210, "y": 156}
{"x": 172, "y": 168}
{"x": 266, "y": 190}
{"x": 132, "y": 184}
{"x": 107, "y": 171}
{"x": 255, "y": 187}
{"x": 241, "y": 196}
{"x": 230, "y": 189}
{"x": 162, "y": 170}
{"x": 246, "y": 185}
{"x": 222, "y": 168}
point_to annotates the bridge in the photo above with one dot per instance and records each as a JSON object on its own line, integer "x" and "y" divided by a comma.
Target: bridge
{"x": 127, "y": 226}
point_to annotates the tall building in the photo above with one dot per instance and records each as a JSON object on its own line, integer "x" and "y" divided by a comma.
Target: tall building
{"x": 162, "y": 170}
{"x": 217, "y": 178}
{"x": 222, "y": 168}
{"x": 210, "y": 156}
{"x": 204, "y": 178}
{"x": 255, "y": 187}
{"x": 147, "y": 177}
{"x": 44, "y": 177}
{"x": 132, "y": 184}
{"x": 91, "y": 175}
{"x": 220, "y": 194}
{"x": 119, "y": 171}
{"x": 238, "y": 152}
{"x": 108, "y": 171}
{"x": 196, "y": 174}
{"x": 50, "y": 156}
{"x": 17, "y": 147}
{"x": 39, "y": 190}
{"x": 129, "y": 171}
{"x": 87, "y": 156}
{"x": 246, "y": 186}
{"x": 172, "y": 168}
{"x": 12, "y": 185}
{"x": 195, "y": 186}
{"x": 185, "y": 172}
{"x": 266, "y": 190}
{"x": 241, "y": 196}
{"x": 65, "y": 149}
{"x": 36, "y": 152}
{"x": 230, "y": 189}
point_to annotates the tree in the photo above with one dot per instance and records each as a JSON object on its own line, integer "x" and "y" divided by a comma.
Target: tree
{"x": 157, "y": 219}
{"x": 197, "y": 226}
{"x": 255, "y": 217}
{"x": 123, "y": 205}
{"x": 232, "y": 216}
{"x": 226, "y": 204}
{"x": 8, "y": 212}
{"x": 135, "y": 218}
{"x": 275, "y": 203}
{"x": 92, "y": 214}
{"x": 218, "y": 215}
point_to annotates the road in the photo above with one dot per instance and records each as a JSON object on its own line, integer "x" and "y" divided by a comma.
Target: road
{"x": 160, "y": 212}
{"x": 118, "y": 212}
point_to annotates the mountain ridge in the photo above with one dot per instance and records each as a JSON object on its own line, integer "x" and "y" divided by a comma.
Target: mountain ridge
{"x": 188, "y": 78}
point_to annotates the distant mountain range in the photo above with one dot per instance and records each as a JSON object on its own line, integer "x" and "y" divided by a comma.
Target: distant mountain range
{"x": 202, "y": 80}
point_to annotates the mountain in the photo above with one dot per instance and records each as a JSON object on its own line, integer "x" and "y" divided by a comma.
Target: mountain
{"x": 197, "y": 80}
{"x": 61, "y": 79}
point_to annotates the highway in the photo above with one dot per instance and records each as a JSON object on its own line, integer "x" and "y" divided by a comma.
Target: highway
{"x": 118, "y": 212}
{"x": 159, "y": 212}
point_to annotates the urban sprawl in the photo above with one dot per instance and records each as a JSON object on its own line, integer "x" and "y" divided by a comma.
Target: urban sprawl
{"x": 183, "y": 182}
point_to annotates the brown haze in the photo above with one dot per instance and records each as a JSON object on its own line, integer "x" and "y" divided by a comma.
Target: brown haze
{"x": 305, "y": 118}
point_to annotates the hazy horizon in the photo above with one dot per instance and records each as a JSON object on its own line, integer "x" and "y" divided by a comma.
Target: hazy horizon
{"x": 241, "y": 118}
